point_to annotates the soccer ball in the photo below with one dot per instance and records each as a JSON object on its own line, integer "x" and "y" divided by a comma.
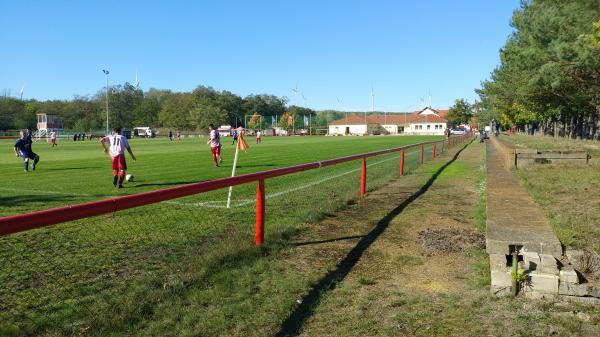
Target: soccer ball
{"x": 129, "y": 177}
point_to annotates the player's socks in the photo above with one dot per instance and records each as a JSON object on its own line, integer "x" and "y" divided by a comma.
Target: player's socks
{"x": 26, "y": 166}
{"x": 115, "y": 178}
{"x": 34, "y": 164}
{"x": 121, "y": 178}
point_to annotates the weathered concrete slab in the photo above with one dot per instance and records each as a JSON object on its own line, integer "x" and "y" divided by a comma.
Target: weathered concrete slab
{"x": 513, "y": 218}
{"x": 542, "y": 283}
{"x": 568, "y": 275}
{"x": 525, "y": 159}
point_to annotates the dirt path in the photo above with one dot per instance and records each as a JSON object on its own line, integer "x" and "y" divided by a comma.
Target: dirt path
{"x": 410, "y": 262}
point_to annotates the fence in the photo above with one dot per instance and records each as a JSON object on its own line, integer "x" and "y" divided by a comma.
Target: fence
{"x": 23, "y": 222}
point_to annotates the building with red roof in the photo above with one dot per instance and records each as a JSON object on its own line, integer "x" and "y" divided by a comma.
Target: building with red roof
{"x": 424, "y": 122}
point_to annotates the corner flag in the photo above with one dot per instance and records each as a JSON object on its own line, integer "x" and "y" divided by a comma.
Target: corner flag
{"x": 241, "y": 145}
{"x": 241, "y": 142}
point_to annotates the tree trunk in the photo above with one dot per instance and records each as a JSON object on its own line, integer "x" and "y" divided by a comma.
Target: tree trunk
{"x": 595, "y": 122}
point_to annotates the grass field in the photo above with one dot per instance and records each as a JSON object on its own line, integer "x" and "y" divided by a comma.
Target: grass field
{"x": 186, "y": 267}
{"x": 568, "y": 193}
{"x": 79, "y": 171}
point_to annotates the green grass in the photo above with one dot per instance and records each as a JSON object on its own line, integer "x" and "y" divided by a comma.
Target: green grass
{"x": 169, "y": 269}
{"x": 566, "y": 192}
{"x": 550, "y": 143}
{"x": 79, "y": 171}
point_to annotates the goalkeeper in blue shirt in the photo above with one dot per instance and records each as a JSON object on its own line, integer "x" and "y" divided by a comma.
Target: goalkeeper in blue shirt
{"x": 23, "y": 149}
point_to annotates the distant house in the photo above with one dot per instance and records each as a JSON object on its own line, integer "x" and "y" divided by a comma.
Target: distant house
{"x": 425, "y": 122}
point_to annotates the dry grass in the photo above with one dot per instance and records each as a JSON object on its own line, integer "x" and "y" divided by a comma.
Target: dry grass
{"x": 399, "y": 288}
{"x": 568, "y": 193}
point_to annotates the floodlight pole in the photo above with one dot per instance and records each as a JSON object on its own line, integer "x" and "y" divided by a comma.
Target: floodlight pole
{"x": 106, "y": 73}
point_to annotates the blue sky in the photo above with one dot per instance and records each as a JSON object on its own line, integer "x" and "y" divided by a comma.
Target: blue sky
{"x": 331, "y": 49}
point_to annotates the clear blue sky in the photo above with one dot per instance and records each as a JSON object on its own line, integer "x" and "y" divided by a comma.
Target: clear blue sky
{"x": 330, "y": 49}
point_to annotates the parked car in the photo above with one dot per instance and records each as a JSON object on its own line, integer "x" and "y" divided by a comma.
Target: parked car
{"x": 144, "y": 131}
{"x": 457, "y": 131}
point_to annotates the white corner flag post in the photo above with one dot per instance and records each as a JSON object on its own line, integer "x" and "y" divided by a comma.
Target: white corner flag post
{"x": 241, "y": 143}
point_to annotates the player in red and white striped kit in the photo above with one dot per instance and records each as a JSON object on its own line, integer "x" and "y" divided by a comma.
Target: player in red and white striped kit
{"x": 116, "y": 148}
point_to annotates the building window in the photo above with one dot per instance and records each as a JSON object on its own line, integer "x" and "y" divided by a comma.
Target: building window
{"x": 428, "y": 127}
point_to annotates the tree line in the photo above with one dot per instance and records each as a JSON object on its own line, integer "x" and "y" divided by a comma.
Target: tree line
{"x": 129, "y": 106}
{"x": 549, "y": 74}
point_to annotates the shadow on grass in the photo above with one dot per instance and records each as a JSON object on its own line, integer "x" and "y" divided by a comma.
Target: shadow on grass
{"x": 167, "y": 184}
{"x": 292, "y": 325}
{"x": 71, "y": 168}
{"x": 20, "y": 200}
{"x": 257, "y": 165}
{"x": 298, "y": 244}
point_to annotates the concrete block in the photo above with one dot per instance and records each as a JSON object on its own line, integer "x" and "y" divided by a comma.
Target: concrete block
{"x": 501, "y": 278}
{"x": 572, "y": 289}
{"x": 543, "y": 283}
{"x": 532, "y": 260}
{"x": 497, "y": 261}
{"x": 568, "y": 275}
{"x": 586, "y": 300}
{"x": 548, "y": 265}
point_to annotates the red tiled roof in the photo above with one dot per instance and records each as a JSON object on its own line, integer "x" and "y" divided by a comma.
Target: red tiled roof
{"x": 351, "y": 120}
{"x": 429, "y": 119}
{"x": 442, "y": 113}
{"x": 397, "y": 119}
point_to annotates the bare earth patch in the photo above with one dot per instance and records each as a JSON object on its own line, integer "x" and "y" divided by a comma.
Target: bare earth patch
{"x": 450, "y": 240}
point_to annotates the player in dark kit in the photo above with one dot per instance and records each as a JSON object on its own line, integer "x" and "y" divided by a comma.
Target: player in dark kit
{"x": 23, "y": 149}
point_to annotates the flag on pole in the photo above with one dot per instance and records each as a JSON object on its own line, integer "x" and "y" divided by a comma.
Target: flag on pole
{"x": 241, "y": 145}
{"x": 305, "y": 121}
{"x": 241, "y": 142}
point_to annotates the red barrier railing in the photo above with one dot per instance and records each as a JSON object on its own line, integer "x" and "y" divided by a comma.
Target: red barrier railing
{"x": 23, "y": 222}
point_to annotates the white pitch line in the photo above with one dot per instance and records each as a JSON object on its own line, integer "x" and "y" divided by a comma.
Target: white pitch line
{"x": 214, "y": 204}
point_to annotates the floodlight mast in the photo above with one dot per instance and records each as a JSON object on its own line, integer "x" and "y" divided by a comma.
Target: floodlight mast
{"x": 106, "y": 72}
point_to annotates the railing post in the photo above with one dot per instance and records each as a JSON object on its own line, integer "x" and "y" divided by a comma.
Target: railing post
{"x": 443, "y": 145}
{"x": 259, "y": 235}
{"x": 402, "y": 162}
{"x": 363, "y": 178}
{"x": 433, "y": 152}
{"x": 422, "y": 153}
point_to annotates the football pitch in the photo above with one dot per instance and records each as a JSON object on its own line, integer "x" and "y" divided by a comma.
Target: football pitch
{"x": 76, "y": 172}
{"x": 180, "y": 267}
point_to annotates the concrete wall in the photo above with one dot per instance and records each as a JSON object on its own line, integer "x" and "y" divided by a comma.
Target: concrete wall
{"x": 341, "y": 129}
{"x": 505, "y": 151}
{"x": 513, "y": 157}
{"x": 421, "y": 129}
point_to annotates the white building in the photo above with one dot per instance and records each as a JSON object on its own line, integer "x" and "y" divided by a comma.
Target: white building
{"x": 425, "y": 122}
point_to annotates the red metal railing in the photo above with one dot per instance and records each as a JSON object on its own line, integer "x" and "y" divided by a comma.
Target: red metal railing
{"x": 23, "y": 222}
